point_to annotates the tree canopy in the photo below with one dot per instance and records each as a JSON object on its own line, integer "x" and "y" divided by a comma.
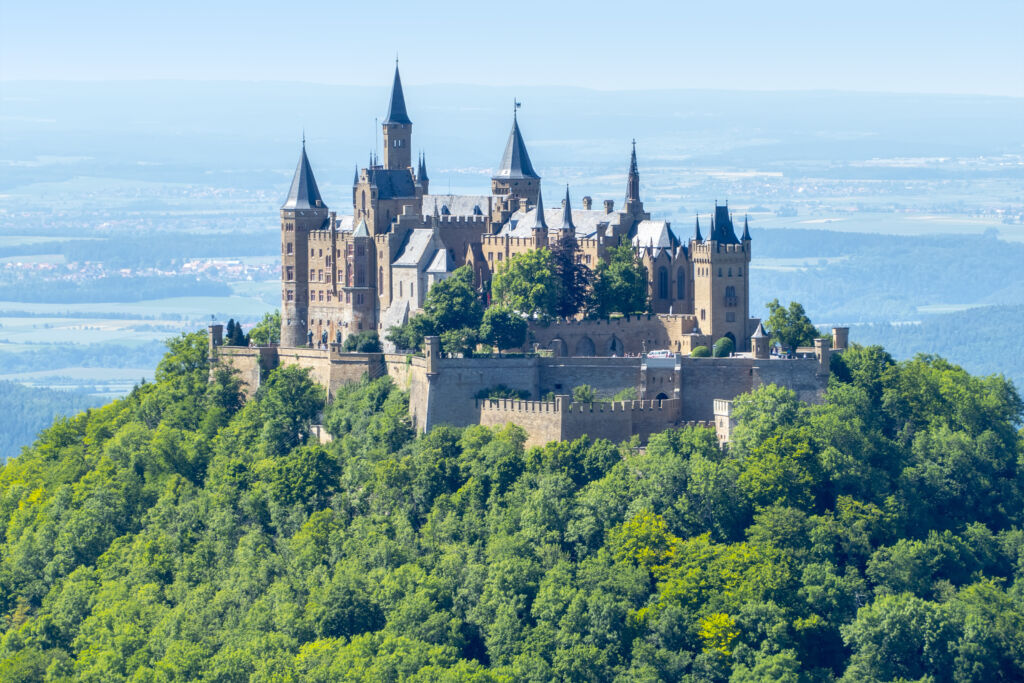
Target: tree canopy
{"x": 789, "y": 327}
{"x": 620, "y": 284}
{"x": 528, "y": 283}
{"x": 182, "y": 534}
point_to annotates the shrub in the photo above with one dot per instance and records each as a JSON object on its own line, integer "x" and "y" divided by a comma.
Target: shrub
{"x": 584, "y": 393}
{"x": 502, "y": 391}
{"x": 723, "y": 347}
{"x": 700, "y": 352}
{"x": 627, "y": 394}
{"x": 366, "y": 341}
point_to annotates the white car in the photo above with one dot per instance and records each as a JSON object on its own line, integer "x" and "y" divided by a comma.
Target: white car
{"x": 660, "y": 353}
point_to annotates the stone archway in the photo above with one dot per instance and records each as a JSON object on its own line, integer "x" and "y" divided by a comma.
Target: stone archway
{"x": 585, "y": 347}
{"x": 615, "y": 347}
{"x": 661, "y": 397}
{"x": 558, "y": 348}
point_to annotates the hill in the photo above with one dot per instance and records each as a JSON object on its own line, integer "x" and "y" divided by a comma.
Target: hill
{"x": 25, "y": 411}
{"x": 181, "y": 534}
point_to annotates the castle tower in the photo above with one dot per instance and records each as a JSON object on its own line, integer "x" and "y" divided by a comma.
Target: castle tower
{"x": 721, "y": 267}
{"x": 759, "y": 343}
{"x": 634, "y": 205}
{"x": 515, "y": 176}
{"x": 302, "y": 211}
{"x": 397, "y": 129}
{"x": 566, "y": 229}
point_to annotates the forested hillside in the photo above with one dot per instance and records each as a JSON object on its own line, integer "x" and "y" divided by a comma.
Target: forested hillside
{"x": 24, "y": 411}
{"x": 179, "y": 534}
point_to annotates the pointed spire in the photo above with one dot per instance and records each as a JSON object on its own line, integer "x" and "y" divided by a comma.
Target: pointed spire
{"x": 515, "y": 162}
{"x": 396, "y": 107}
{"x": 746, "y": 229}
{"x": 567, "y": 214}
{"x": 697, "y": 236}
{"x": 632, "y": 160}
{"x": 355, "y": 177}
{"x": 759, "y": 333}
{"x": 304, "y": 194}
{"x": 421, "y": 172}
{"x": 361, "y": 229}
{"x": 538, "y": 219}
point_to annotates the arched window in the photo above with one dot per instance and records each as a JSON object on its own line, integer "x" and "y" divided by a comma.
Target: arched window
{"x": 380, "y": 276}
{"x": 362, "y": 201}
{"x": 740, "y": 273}
{"x": 680, "y": 284}
{"x": 730, "y": 291}
{"x": 662, "y": 283}
{"x": 401, "y": 288}
{"x": 719, "y": 272}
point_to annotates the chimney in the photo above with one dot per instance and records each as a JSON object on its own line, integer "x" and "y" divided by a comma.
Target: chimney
{"x": 587, "y": 202}
{"x": 523, "y": 204}
{"x": 609, "y": 205}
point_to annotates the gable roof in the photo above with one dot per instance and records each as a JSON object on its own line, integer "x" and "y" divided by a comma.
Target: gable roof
{"x": 304, "y": 194}
{"x": 392, "y": 183}
{"x": 657, "y": 234}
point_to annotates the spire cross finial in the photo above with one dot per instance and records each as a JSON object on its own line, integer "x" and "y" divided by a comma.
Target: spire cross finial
{"x": 634, "y": 144}
{"x": 515, "y": 108}
{"x": 303, "y": 137}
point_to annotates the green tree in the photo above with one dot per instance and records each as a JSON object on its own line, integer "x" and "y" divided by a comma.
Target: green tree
{"x": 620, "y": 284}
{"x": 452, "y": 304}
{"x": 503, "y": 328}
{"x": 528, "y": 284}
{"x": 584, "y": 393}
{"x": 789, "y": 327}
{"x": 574, "y": 277}
{"x": 700, "y": 352}
{"x": 366, "y": 341}
{"x": 267, "y": 330}
{"x": 461, "y": 341}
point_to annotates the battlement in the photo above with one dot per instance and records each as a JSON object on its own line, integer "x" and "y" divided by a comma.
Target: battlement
{"x": 704, "y": 249}
{"x": 462, "y": 220}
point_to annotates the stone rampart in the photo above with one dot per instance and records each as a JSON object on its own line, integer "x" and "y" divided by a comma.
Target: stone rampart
{"x": 633, "y": 335}
{"x": 251, "y": 363}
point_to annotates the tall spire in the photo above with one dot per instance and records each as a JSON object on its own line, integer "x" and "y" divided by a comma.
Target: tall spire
{"x": 697, "y": 236}
{"x": 515, "y": 162}
{"x": 632, "y": 181}
{"x": 304, "y": 194}
{"x": 746, "y": 229}
{"x": 538, "y": 219}
{"x": 567, "y": 225}
{"x": 396, "y": 107}
{"x": 421, "y": 172}
{"x": 355, "y": 176}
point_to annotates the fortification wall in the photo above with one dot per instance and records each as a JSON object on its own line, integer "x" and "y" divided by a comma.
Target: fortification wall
{"x": 454, "y": 384}
{"x": 249, "y": 362}
{"x": 632, "y": 335}
{"x": 542, "y": 420}
{"x": 802, "y": 375}
{"x": 331, "y": 369}
{"x": 702, "y": 380}
{"x": 608, "y": 376}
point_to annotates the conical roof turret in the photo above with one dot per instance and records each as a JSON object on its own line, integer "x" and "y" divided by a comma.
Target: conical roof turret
{"x": 304, "y": 194}
{"x": 421, "y": 172}
{"x": 697, "y": 236}
{"x": 515, "y": 162}
{"x": 538, "y": 219}
{"x": 746, "y": 229}
{"x": 396, "y": 107}
{"x": 567, "y": 224}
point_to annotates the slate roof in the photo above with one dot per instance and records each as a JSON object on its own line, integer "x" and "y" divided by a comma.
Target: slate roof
{"x": 361, "y": 229}
{"x": 442, "y": 263}
{"x": 759, "y": 333}
{"x": 458, "y": 204}
{"x": 722, "y": 230}
{"x": 415, "y": 247}
{"x": 657, "y": 234}
{"x": 304, "y": 193}
{"x": 396, "y": 107}
{"x": 515, "y": 162}
{"x": 392, "y": 183}
{"x": 746, "y": 229}
{"x": 567, "y": 224}
{"x": 588, "y": 223}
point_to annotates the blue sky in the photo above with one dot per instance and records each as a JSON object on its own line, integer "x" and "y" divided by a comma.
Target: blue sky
{"x": 867, "y": 45}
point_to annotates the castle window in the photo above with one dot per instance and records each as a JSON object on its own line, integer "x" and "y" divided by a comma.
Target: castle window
{"x": 351, "y": 248}
{"x": 312, "y": 274}
{"x": 321, "y": 295}
{"x": 348, "y": 297}
{"x": 380, "y": 275}
{"x": 680, "y": 284}
{"x": 320, "y": 275}
{"x": 289, "y": 273}
{"x": 321, "y": 252}
{"x": 401, "y": 289}
{"x": 289, "y": 295}
{"x": 740, "y": 273}
{"x": 662, "y": 283}
{"x": 719, "y": 272}
{"x": 363, "y": 201}
{"x": 328, "y": 261}
{"x": 499, "y": 256}
{"x": 312, "y": 252}
{"x": 730, "y": 272}
{"x": 328, "y": 296}
{"x": 288, "y": 248}
{"x": 702, "y": 314}
{"x": 360, "y": 250}
{"x": 312, "y": 295}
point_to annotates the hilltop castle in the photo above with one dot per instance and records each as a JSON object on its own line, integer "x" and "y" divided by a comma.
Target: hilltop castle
{"x": 371, "y": 270}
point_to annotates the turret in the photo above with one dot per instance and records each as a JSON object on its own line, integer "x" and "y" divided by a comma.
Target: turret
{"x": 515, "y": 176}
{"x": 633, "y": 204}
{"x": 567, "y": 228}
{"x": 421, "y": 175}
{"x": 303, "y": 211}
{"x": 697, "y": 237}
{"x": 397, "y": 129}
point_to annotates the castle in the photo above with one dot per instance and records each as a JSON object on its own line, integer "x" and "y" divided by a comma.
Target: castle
{"x": 371, "y": 270}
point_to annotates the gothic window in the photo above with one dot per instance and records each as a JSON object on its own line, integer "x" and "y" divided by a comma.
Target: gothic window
{"x": 289, "y": 295}
{"x": 289, "y": 273}
{"x": 401, "y": 289}
{"x": 328, "y": 261}
{"x": 289, "y": 248}
{"x": 312, "y": 273}
{"x": 719, "y": 272}
{"x": 312, "y": 251}
{"x": 328, "y": 296}
{"x": 730, "y": 291}
{"x": 321, "y": 252}
{"x": 662, "y": 283}
{"x": 740, "y": 273}
{"x": 363, "y": 200}
{"x": 702, "y": 314}
{"x": 361, "y": 278}
{"x": 320, "y": 275}
{"x": 680, "y": 284}
{"x": 380, "y": 276}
